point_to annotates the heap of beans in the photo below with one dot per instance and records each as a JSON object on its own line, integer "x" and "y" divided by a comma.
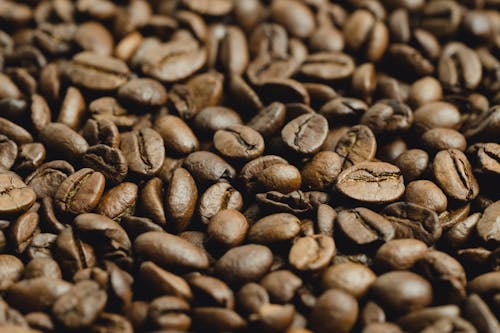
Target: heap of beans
{"x": 249, "y": 166}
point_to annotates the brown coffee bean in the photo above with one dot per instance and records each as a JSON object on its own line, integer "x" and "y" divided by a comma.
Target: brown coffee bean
{"x": 15, "y": 196}
{"x": 410, "y": 60}
{"x": 244, "y": 264}
{"x": 283, "y": 178}
{"x": 427, "y": 194}
{"x": 357, "y": 145}
{"x": 23, "y": 230}
{"x": 210, "y": 291}
{"x": 459, "y": 68}
{"x": 214, "y": 118}
{"x": 281, "y": 285}
{"x": 94, "y": 37}
{"x": 234, "y": 55}
{"x": 142, "y": 92}
{"x": 163, "y": 282}
{"x": 42, "y": 267}
{"x": 180, "y": 199}
{"x": 118, "y": 201}
{"x": 61, "y": 139}
{"x": 399, "y": 254}
{"x": 454, "y": 175}
{"x": 388, "y": 117}
{"x": 375, "y": 182}
{"x": 30, "y": 157}
{"x": 113, "y": 323}
{"x": 363, "y": 226}
{"x": 144, "y": 151}
{"x": 480, "y": 315}
{"x": 228, "y": 227}
{"x": 312, "y": 253}
{"x": 14, "y": 132}
{"x": 437, "y": 139}
{"x": 109, "y": 161}
{"x": 328, "y": 66}
{"x": 352, "y": 278}
{"x": 336, "y": 311}
{"x": 294, "y": 16}
{"x": 72, "y": 109}
{"x": 417, "y": 320}
{"x": 239, "y": 142}
{"x": 414, "y": 221}
{"x": 208, "y": 167}
{"x": 218, "y": 197}
{"x": 102, "y": 131}
{"x": 412, "y": 163}
{"x": 96, "y": 72}
{"x": 218, "y": 319}
{"x": 8, "y": 152}
{"x": 436, "y": 114}
{"x": 305, "y": 134}
{"x": 425, "y": 90}
{"x": 168, "y": 250}
{"x": 80, "y": 306}
{"x": 409, "y": 291}
{"x": 46, "y": 179}
{"x": 487, "y": 225}
{"x": 36, "y": 294}
{"x": 80, "y": 192}
{"x": 169, "y": 312}
{"x": 274, "y": 228}
{"x": 12, "y": 270}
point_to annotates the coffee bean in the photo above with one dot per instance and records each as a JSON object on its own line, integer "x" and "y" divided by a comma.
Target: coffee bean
{"x": 419, "y": 319}
{"x": 305, "y": 134}
{"x": 328, "y": 66}
{"x": 459, "y": 67}
{"x": 238, "y": 142}
{"x": 414, "y": 221}
{"x": 144, "y": 151}
{"x": 181, "y": 197}
{"x": 441, "y": 18}
{"x": 374, "y": 182}
{"x": 8, "y": 152}
{"x": 72, "y": 109}
{"x": 12, "y": 270}
{"x": 436, "y": 114}
{"x": 42, "y": 267}
{"x": 352, "y": 278}
{"x": 14, "y": 132}
{"x": 244, "y": 264}
{"x": 250, "y": 172}
{"x": 228, "y": 227}
{"x": 208, "y": 167}
{"x": 357, "y": 145}
{"x": 479, "y": 314}
{"x": 169, "y": 250}
{"x": 96, "y": 72}
{"x": 80, "y": 306}
{"x": 486, "y": 226}
{"x": 312, "y": 253}
{"x": 425, "y": 193}
{"x": 453, "y": 173}
{"x": 399, "y": 254}
{"x": 283, "y": 178}
{"x": 274, "y": 228}
{"x": 388, "y": 117}
{"x": 23, "y": 230}
{"x": 412, "y": 163}
{"x": 321, "y": 171}
{"x": 30, "y": 157}
{"x": 46, "y": 179}
{"x": 118, "y": 201}
{"x": 425, "y": 90}
{"x": 234, "y": 55}
{"x": 336, "y": 311}
{"x": 67, "y": 142}
{"x": 80, "y": 192}
{"x": 15, "y": 196}
{"x": 109, "y": 161}
{"x": 164, "y": 282}
{"x": 214, "y": 118}
{"x": 218, "y": 197}
{"x": 363, "y": 226}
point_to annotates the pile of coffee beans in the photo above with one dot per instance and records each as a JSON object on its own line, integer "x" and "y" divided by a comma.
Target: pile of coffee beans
{"x": 297, "y": 166}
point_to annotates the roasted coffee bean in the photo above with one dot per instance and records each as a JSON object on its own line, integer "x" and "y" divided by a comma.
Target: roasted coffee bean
{"x": 169, "y": 250}
{"x": 335, "y": 310}
{"x": 399, "y": 254}
{"x": 414, "y": 221}
{"x": 388, "y": 117}
{"x": 164, "y": 282}
{"x": 312, "y": 253}
{"x": 61, "y": 139}
{"x": 373, "y": 182}
{"x": 437, "y": 139}
{"x": 425, "y": 90}
{"x": 30, "y": 157}
{"x": 180, "y": 199}
{"x": 107, "y": 160}
{"x": 80, "y": 306}
{"x": 210, "y": 291}
{"x": 487, "y": 225}
{"x": 42, "y": 267}
{"x": 453, "y": 173}
{"x": 12, "y": 270}
{"x": 305, "y": 134}
{"x": 357, "y": 145}
{"x": 274, "y": 228}
{"x": 283, "y": 178}
{"x": 118, "y": 201}
{"x": 218, "y": 197}
{"x": 459, "y": 68}
{"x": 23, "y": 230}
{"x": 80, "y": 192}
{"x": 214, "y": 118}
{"x": 177, "y": 136}
{"x": 96, "y": 72}
{"x": 410, "y": 60}
{"x": 296, "y": 202}
{"x": 436, "y": 114}
{"x": 321, "y": 171}
{"x": 413, "y": 163}
{"x": 46, "y": 179}
{"x": 15, "y": 196}
{"x": 145, "y": 93}
{"x": 8, "y": 152}
{"x": 239, "y": 142}
{"x": 328, "y": 66}
{"x": 102, "y": 131}
{"x": 72, "y": 109}
{"x": 208, "y": 167}
{"x": 14, "y": 132}
{"x": 228, "y": 227}
{"x": 244, "y": 264}
{"x": 352, "y": 278}
{"x": 363, "y": 226}
{"x": 343, "y": 109}
{"x": 427, "y": 194}
{"x": 144, "y": 151}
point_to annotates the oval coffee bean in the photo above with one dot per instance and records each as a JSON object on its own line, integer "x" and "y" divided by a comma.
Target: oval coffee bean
{"x": 373, "y": 182}
{"x": 312, "y": 253}
{"x": 60, "y": 138}
{"x": 305, "y": 134}
{"x": 15, "y": 196}
{"x": 144, "y": 151}
{"x": 274, "y": 228}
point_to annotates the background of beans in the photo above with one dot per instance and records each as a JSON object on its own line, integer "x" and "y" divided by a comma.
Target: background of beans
{"x": 250, "y": 166}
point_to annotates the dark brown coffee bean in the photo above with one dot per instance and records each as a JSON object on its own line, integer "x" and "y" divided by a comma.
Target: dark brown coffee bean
{"x": 36, "y": 294}
{"x": 388, "y": 117}
{"x": 312, "y": 253}
{"x": 15, "y": 196}
{"x": 241, "y": 91}
{"x": 305, "y": 134}
{"x": 399, "y": 254}
{"x": 352, "y": 278}
{"x": 118, "y": 201}
{"x": 414, "y": 221}
{"x": 459, "y": 68}
{"x": 72, "y": 109}
{"x": 145, "y": 93}
{"x": 61, "y": 139}
{"x": 274, "y": 228}
{"x": 14, "y": 132}
{"x": 417, "y": 320}
{"x": 244, "y": 264}
{"x": 409, "y": 291}
{"x": 108, "y": 108}
{"x": 12, "y": 270}
{"x": 171, "y": 251}
{"x": 461, "y": 232}
{"x": 234, "y": 55}
{"x": 164, "y": 282}
{"x": 480, "y": 315}
{"x": 214, "y": 118}
{"x": 250, "y": 172}
{"x": 23, "y": 230}
{"x": 321, "y": 171}
{"x": 425, "y": 90}
{"x": 41, "y": 246}
{"x": 80, "y": 306}
{"x": 96, "y": 72}
{"x": 210, "y": 291}
{"x": 46, "y": 179}
{"x": 357, "y": 145}
{"x": 30, "y": 157}
{"x": 151, "y": 201}
{"x": 436, "y": 114}
{"x": 487, "y": 225}
{"x": 206, "y": 88}
{"x": 101, "y": 131}
{"x": 228, "y": 228}
{"x": 218, "y": 319}
{"x": 284, "y": 91}
{"x": 144, "y": 151}
{"x": 239, "y": 142}
{"x": 336, "y": 311}
{"x": 412, "y": 163}
{"x": 283, "y": 178}
{"x": 8, "y": 152}
{"x": 375, "y": 182}
{"x": 410, "y": 60}
{"x": 218, "y": 197}
{"x": 180, "y": 199}
{"x": 437, "y": 139}
{"x": 425, "y": 193}
{"x": 295, "y": 17}
{"x": 363, "y": 226}
{"x": 42, "y": 267}
{"x": 441, "y": 18}
{"x": 208, "y": 167}
{"x": 281, "y": 285}
{"x": 454, "y": 175}
{"x": 328, "y": 66}
{"x": 80, "y": 192}
{"x": 107, "y": 160}
{"x": 111, "y": 323}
